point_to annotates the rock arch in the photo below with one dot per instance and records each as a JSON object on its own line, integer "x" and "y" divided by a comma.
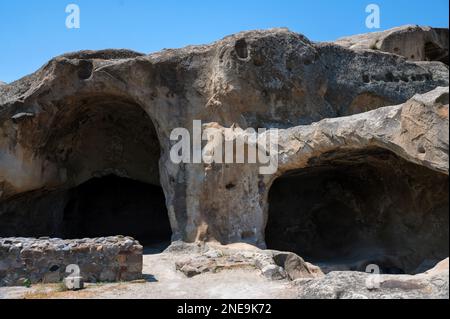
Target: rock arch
{"x": 101, "y": 145}
{"x": 349, "y": 209}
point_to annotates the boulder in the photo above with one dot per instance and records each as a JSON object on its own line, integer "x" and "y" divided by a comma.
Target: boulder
{"x": 359, "y": 285}
{"x": 295, "y": 267}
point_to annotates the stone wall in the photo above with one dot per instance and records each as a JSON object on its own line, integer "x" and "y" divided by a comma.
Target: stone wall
{"x": 44, "y": 260}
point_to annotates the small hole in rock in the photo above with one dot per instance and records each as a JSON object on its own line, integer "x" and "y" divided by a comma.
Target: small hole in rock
{"x": 230, "y": 186}
{"x": 54, "y": 268}
{"x": 258, "y": 61}
{"x": 85, "y": 69}
{"x": 389, "y": 77}
{"x": 241, "y": 48}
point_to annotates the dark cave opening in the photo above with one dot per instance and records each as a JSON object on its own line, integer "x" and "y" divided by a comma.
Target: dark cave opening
{"x": 112, "y": 205}
{"x": 100, "y": 207}
{"x": 109, "y": 151}
{"x": 349, "y": 210}
{"x": 435, "y": 53}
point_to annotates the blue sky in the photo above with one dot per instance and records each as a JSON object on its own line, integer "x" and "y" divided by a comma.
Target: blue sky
{"x": 34, "y": 31}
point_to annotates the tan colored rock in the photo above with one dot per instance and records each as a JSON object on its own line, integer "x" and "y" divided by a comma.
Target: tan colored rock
{"x": 358, "y": 285}
{"x": 110, "y": 112}
{"x": 296, "y": 267}
{"x": 212, "y": 258}
{"x": 416, "y": 43}
{"x": 441, "y": 267}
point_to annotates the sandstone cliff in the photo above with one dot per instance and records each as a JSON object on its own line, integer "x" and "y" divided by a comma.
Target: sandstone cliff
{"x": 414, "y": 42}
{"x": 375, "y": 121}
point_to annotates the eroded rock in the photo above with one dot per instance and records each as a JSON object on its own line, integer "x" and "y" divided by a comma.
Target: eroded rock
{"x": 211, "y": 258}
{"x": 374, "y": 121}
{"x": 358, "y": 285}
{"x": 295, "y": 267}
{"x": 272, "y": 79}
{"x": 414, "y": 42}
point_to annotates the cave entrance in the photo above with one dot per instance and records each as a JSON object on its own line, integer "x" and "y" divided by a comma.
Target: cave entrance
{"x": 352, "y": 209}
{"x": 435, "y": 53}
{"x": 108, "y": 151}
{"x": 112, "y": 205}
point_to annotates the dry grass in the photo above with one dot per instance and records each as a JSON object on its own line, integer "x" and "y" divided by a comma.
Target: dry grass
{"x": 58, "y": 291}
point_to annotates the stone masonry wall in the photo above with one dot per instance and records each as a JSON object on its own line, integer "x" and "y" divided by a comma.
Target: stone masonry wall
{"x": 45, "y": 260}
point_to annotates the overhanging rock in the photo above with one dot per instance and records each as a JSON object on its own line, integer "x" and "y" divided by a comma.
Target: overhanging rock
{"x": 324, "y": 97}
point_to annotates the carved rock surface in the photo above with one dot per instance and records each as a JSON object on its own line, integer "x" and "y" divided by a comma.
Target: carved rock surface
{"x": 368, "y": 129}
{"x": 414, "y": 42}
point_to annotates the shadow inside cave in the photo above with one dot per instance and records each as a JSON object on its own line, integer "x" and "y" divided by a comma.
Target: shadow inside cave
{"x": 112, "y": 206}
{"x": 352, "y": 209}
{"x": 100, "y": 207}
{"x": 109, "y": 152}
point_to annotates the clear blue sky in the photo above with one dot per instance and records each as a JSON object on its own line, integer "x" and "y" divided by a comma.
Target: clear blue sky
{"x": 33, "y": 31}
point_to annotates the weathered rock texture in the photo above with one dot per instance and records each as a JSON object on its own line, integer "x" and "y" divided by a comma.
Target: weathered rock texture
{"x": 274, "y": 265}
{"x": 368, "y": 131}
{"x": 308, "y": 281}
{"x": 30, "y": 261}
{"x": 414, "y": 42}
{"x": 355, "y": 199}
{"x": 357, "y": 285}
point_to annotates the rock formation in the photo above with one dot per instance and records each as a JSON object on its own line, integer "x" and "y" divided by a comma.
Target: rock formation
{"x": 363, "y": 155}
{"x": 358, "y": 285}
{"x": 414, "y": 42}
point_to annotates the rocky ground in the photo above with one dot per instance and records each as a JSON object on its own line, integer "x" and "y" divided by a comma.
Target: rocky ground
{"x": 162, "y": 280}
{"x": 240, "y": 277}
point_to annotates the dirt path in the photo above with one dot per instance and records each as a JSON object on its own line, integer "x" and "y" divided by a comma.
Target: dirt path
{"x": 162, "y": 281}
